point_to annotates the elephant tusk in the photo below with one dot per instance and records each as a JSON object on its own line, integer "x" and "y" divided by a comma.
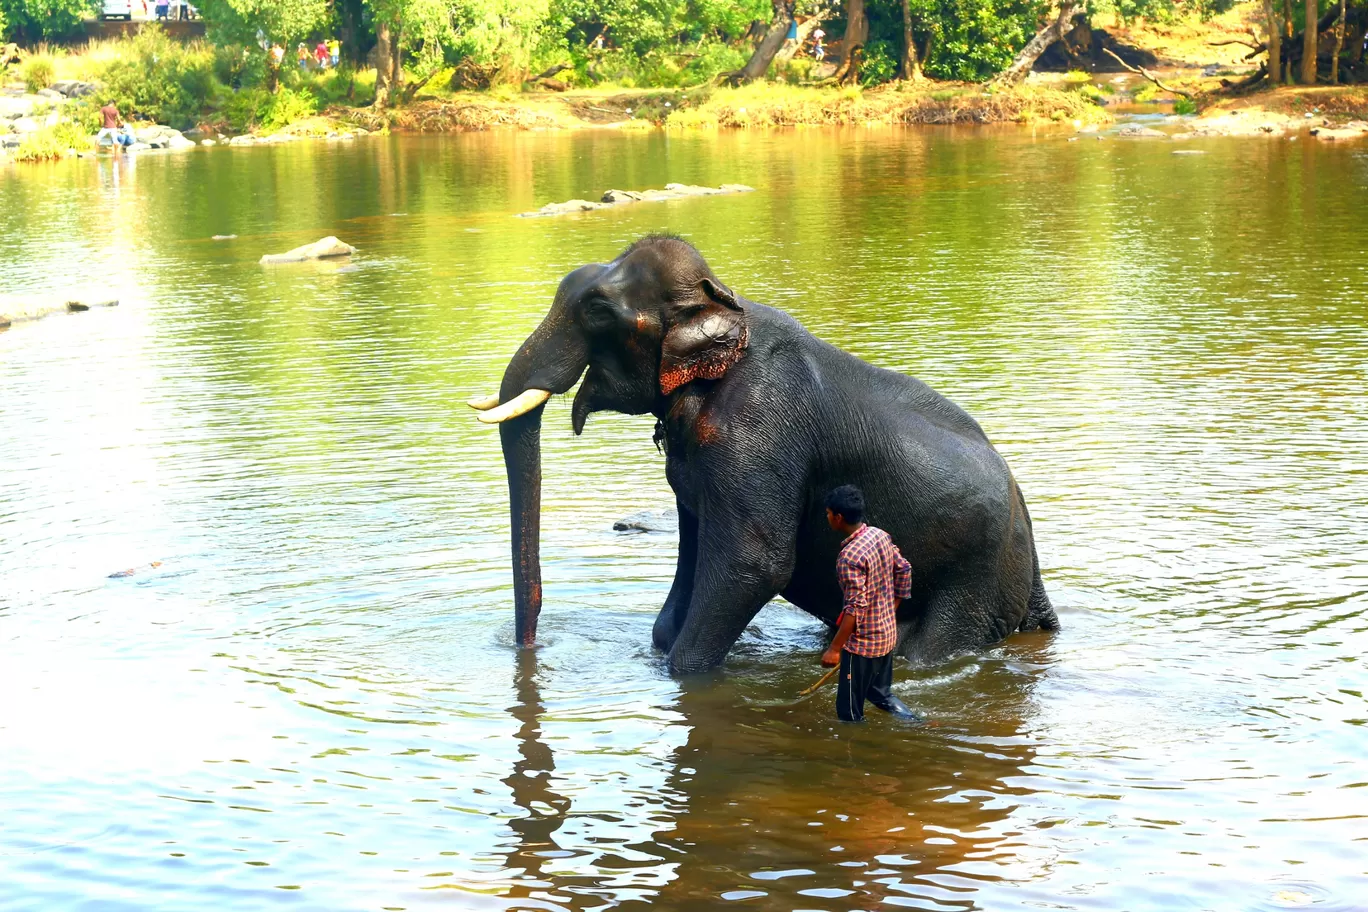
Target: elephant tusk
{"x": 483, "y": 403}
{"x": 523, "y": 403}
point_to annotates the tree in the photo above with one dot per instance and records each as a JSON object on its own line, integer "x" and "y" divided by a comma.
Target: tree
{"x": 1047, "y": 36}
{"x": 1273, "y": 23}
{"x": 769, "y": 45}
{"x": 30, "y": 21}
{"x": 423, "y": 24}
{"x": 1339, "y": 46}
{"x": 283, "y": 21}
{"x": 1309, "y": 44}
{"x": 910, "y": 67}
{"x": 857, "y": 28}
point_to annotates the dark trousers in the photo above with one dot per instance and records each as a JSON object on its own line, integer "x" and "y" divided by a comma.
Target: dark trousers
{"x": 863, "y": 678}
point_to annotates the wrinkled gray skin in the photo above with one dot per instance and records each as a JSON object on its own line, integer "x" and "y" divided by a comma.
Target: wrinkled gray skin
{"x": 760, "y": 420}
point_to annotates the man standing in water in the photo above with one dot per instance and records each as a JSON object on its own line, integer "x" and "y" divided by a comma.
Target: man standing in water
{"x": 874, "y": 577}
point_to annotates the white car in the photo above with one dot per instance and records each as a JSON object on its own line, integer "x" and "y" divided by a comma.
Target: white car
{"x": 117, "y": 9}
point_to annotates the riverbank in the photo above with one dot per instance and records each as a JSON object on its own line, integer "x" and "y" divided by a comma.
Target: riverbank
{"x": 56, "y": 122}
{"x": 757, "y": 105}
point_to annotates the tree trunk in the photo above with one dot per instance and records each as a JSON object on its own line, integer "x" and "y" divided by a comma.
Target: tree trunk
{"x": 911, "y": 66}
{"x": 384, "y": 65}
{"x": 1339, "y": 47}
{"x": 768, "y": 47}
{"x": 805, "y": 30}
{"x": 1309, "y": 47}
{"x": 1047, "y": 36}
{"x": 353, "y": 35}
{"x": 1274, "y": 42}
{"x": 857, "y": 28}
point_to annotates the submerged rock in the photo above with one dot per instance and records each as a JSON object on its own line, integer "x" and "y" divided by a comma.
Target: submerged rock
{"x": 1135, "y": 131}
{"x": 122, "y": 574}
{"x": 19, "y": 308}
{"x": 648, "y": 521}
{"x": 327, "y": 248}
{"x": 612, "y": 198}
{"x": 1354, "y": 129}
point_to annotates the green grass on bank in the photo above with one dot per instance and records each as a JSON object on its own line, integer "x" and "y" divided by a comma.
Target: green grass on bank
{"x": 55, "y": 142}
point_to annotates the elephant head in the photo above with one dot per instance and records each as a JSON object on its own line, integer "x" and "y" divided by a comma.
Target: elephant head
{"x": 638, "y": 329}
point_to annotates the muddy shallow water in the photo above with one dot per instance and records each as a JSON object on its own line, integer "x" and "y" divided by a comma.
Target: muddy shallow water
{"x": 314, "y": 703}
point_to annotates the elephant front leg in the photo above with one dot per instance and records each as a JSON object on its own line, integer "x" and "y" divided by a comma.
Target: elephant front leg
{"x": 671, "y": 617}
{"x": 738, "y": 572}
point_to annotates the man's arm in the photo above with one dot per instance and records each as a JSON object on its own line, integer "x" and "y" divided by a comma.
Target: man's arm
{"x": 844, "y": 628}
{"x": 902, "y": 577}
{"x": 852, "y": 575}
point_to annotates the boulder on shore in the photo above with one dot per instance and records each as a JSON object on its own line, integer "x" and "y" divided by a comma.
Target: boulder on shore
{"x": 13, "y": 107}
{"x": 74, "y": 88}
{"x": 612, "y": 198}
{"x": 20, "y": 308}
{"x": 162, "y": 137}
{"x": 328, "y": 248}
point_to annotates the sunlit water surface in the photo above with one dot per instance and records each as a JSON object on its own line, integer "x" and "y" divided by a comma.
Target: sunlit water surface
{"x": 314, "y": 703}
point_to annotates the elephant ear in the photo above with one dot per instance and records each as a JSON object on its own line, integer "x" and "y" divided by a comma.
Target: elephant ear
{"x": 707, "y": 336}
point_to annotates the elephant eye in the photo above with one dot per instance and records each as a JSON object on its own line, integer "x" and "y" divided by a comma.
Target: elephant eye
{"x": 600, "y": 314}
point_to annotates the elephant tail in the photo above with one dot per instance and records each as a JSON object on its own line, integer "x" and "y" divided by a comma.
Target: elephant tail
{"x": 1040, "y": 614}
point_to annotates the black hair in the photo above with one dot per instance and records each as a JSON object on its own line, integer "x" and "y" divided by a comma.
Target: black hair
{"x": 847, "y": 502}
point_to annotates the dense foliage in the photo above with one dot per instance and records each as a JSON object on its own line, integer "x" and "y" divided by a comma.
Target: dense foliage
{"x": 38, "y": 20}
{"x": 662, "y": 43}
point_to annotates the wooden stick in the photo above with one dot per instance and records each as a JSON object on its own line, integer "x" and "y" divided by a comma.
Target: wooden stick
{"x": 826, "y": 677}
{"x": 1148, "y": 75}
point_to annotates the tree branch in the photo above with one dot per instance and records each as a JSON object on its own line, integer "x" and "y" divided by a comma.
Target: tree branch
{"x": 1141, "y": 71}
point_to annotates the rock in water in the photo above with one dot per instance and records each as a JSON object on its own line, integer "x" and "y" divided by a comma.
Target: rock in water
{"x": 18, "y": 308}
{"x": 1355, "y": 129}
{"x": 1135, "y": 131}
{"x": 328, "y": 248}
{"x": 623, "y": 197}
{"x": 648, "y": 521}
{"x": 122, "y": 574}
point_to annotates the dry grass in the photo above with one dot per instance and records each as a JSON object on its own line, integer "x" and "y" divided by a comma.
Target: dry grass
{"x": 926, "y": 103}
{"x": 458, "y": 116}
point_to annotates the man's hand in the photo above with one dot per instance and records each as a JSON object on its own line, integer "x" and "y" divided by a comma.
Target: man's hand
{"x": 845, "y": 626}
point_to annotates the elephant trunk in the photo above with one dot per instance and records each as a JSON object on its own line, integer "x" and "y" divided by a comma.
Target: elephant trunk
{"x": 521, "y": 439}
{"x": 550, "y": 361}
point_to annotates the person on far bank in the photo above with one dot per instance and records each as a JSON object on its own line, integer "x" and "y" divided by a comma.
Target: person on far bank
{"x": 874, "y": 578}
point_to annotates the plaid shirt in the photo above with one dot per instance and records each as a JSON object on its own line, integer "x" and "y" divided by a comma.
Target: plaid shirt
{"x": 874, "y": 576}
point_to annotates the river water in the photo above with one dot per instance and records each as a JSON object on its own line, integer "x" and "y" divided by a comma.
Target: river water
{"x": 314, "y": 703}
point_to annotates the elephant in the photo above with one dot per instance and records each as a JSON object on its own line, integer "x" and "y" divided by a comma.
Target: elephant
{"x": 758, "y": 420}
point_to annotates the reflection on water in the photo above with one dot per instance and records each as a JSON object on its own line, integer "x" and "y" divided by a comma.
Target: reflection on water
{"x": 314, "y": 703}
